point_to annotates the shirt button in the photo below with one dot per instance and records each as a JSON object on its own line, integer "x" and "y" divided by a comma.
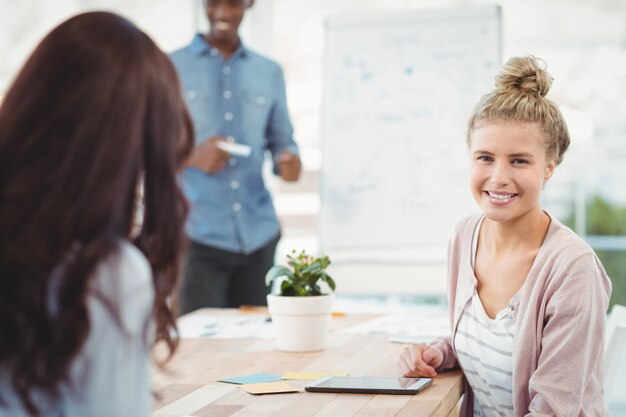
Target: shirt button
{"x": 237, "y": 206}
{"x": 232, "y": 162}
{"x": 227, "y": 94}
{"x": 260, "y": 100}
{"x": 226, "y": 70}
{"x": 228, "y": 116}
{"x": 234, "y": 184}
{"x": 191, "y": 95}
{"x": 214, "y": 52}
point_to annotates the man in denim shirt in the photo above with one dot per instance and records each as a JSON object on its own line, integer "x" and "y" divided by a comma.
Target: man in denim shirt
{"x": 234, "y": 95}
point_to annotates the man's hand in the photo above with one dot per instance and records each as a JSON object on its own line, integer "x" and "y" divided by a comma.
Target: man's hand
{"x": 289, "y": 166}
{"x": 419, "y": 360}
{"x": 208, "y": 157}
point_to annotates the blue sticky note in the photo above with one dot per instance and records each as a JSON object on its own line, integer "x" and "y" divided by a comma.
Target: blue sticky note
{"x": 251, "y": 379}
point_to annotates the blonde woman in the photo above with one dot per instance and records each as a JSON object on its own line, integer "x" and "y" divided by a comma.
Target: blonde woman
{"x": 527, "y": 296}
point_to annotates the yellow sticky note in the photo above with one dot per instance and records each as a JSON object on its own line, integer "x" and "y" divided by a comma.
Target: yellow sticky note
{"x": 268, "y": 388}
{"x": 311, "y": 375}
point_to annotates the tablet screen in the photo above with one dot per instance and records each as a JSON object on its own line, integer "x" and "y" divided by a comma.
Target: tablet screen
{"x": 369, "y": 385}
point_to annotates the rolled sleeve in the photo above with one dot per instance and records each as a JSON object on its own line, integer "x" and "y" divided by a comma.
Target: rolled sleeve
{"x": 279, "y": 133}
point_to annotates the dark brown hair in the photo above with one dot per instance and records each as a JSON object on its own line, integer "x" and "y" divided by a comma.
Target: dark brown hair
{"x": 96, "y": 108}
{"x": 520, "y": 96}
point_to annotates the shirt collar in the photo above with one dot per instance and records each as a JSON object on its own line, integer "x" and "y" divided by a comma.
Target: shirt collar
{"x": 199, "y": 46}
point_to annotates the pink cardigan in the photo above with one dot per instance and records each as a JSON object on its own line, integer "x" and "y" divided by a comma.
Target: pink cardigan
{"x": 560, "y": 313}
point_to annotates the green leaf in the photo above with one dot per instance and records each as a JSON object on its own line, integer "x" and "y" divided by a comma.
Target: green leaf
{"x": 315, "y": 290}
{"x": 328, "y": 279}
{"x": 277, "y": 271}
{"x": 301, "y": 277}
{"x": 287, "y": 289}
{"x": 299, "y": 289}
{"x": 315, "y": 266}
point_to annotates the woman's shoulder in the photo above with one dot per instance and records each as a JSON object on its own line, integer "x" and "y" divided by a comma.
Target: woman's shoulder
{"x": 460, "y": 240}
{"x": 565, "y": 255}
{"x": 123, "y": 270}
{"x": 120, "y": 334}
{"x": 124, "y": 280}
{"x": 466, "y": 225}
{"x": 562, "y": 244}
{"x": 134, "y": 261}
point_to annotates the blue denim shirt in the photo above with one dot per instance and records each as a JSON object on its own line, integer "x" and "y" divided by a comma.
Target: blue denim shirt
{"x": 242, "y": 98}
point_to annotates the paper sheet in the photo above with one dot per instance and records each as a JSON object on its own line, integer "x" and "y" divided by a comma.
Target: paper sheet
{"x": 406, "y": 328}
{"x": 249, "y": 326}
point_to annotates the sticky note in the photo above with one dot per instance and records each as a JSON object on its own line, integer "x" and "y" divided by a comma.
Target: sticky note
{"x": 311, "y": 375}
{"x": 251, "y": 379}
{"x": 269, "y": 388}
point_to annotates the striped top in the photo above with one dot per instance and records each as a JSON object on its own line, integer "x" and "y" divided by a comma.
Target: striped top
{"x": 484, "y": 349}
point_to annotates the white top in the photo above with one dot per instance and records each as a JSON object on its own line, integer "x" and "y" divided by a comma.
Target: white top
{"x": 111, "y": 376}
{"x": 484, "y": 348}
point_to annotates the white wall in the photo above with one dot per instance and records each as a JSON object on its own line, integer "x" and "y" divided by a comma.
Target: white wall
{"x": 583, "y": 41}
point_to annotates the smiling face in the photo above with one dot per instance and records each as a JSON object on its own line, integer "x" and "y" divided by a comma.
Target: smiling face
{"x": 508, "y": 169}
{"x": 224, "y": 18}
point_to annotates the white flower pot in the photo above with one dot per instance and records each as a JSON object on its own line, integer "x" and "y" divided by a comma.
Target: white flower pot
{"x": 300, "y": 323}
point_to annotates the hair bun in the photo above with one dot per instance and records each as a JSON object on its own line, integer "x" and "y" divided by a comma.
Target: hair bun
{"x": 524, "y": 75}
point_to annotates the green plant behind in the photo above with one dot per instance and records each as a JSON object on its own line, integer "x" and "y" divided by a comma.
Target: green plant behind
{"x": 607, "y": 219}
{"x": 301, "y": 278}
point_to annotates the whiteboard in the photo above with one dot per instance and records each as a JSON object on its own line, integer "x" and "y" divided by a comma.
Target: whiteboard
{"x": 398, "y": 90}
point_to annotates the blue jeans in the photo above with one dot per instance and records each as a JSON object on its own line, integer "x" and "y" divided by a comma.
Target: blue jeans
{"x": 218, "y": 278}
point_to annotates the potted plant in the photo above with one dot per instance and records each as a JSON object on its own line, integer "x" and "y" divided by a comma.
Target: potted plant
{"x": 301, "y": 311}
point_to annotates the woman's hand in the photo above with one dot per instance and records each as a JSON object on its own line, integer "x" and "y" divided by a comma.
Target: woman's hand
{"x": 419, "y": 361}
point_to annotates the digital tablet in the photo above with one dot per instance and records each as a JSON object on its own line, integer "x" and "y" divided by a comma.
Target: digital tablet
{"x": 369, "y": 385}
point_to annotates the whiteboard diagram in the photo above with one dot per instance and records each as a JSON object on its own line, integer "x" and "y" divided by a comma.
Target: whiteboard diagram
{"x": 398, "y": 90}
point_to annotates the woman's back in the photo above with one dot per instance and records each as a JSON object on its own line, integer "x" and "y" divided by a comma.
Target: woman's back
{"x": 95, "y": 115}
{"x": 110, "y": 376}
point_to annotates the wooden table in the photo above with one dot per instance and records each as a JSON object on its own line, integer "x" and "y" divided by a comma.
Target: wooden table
{"x": 188, "y": 385}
